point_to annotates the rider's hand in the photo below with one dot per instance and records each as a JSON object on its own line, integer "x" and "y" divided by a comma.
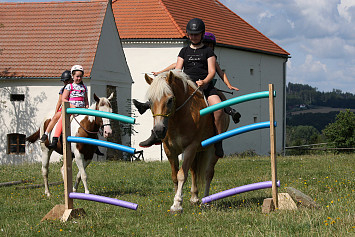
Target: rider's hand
{"x": 233, "y": 88}
{"x": 200, "y": 83}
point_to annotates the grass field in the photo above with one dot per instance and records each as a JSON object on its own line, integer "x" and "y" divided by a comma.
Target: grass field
{"x": 328, "y": 179}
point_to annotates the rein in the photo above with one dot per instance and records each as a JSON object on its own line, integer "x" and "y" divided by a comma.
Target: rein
{"x": 168, "y": 115}
{"x": 188, "y": 99}
{"x": 98, "y": 132}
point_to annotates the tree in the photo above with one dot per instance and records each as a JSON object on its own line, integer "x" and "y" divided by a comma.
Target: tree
{"x": 341, "y": 133}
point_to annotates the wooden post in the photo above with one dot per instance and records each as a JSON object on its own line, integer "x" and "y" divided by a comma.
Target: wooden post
{"x": 67, "y": 158}
{"x": 60, "y": 211}
{"x": 273, "y": 145}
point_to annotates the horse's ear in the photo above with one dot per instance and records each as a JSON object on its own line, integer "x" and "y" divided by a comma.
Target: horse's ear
{"x": 96, "y": 98}
{"x": 148, "y": 79}
{"x": 111, "y": 96}
{"x": 171, "y": 77}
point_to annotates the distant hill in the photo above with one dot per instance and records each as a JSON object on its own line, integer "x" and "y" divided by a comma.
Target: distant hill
{"x": 310, "y": 107}
{"x": 304, "y": 96}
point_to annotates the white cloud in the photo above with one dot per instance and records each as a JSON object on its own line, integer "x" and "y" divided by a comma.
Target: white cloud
{"x": 312, "y": 66}
{"x": 319, "y": 34}
{"x": 344, "y": 9}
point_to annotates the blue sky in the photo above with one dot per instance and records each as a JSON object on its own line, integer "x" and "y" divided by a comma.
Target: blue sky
{"x": 319, "y": 35}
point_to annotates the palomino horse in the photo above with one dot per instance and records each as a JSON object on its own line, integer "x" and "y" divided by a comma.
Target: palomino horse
{"x": 81, "y": 126}
{"x": 175, "y": 104}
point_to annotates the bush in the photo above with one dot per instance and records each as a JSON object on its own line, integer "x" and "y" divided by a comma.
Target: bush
{"x": 341, "y": 133}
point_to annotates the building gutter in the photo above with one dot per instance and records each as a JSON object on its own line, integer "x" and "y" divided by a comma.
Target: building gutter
{"x": 253, "y": 50}
{"x": 185, "y": 41}
{"x": 36, "y": 78}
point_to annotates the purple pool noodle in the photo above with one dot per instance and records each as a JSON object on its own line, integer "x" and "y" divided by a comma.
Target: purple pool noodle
{"x": 241, "y": 189}
{"x": 97, "y": 198}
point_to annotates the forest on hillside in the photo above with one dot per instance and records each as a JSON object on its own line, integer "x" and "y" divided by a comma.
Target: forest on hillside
{"x": 305, "y": 125}
{"x": 304, "y": 95}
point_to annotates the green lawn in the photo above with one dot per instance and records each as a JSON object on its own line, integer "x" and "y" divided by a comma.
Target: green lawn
{"x": 328, "y": 179}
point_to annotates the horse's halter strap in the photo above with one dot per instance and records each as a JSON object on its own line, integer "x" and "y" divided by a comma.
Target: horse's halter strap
{"x": 168, "y": 115}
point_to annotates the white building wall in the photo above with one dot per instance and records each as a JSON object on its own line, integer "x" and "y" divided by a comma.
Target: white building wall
{"x": 25, "y": 117}
{"x": 141, "y": 59}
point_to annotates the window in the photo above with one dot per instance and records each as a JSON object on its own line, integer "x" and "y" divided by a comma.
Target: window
{"x": 16, "y": 143}
{"x": 17, "y": 97}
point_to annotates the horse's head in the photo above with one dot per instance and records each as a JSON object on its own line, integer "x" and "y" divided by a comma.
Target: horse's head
{"x": 103, "y": 104}
{"x": 164, "y": 93}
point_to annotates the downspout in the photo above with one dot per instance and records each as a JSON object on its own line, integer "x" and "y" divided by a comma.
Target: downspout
{"x": 284, "y": 108}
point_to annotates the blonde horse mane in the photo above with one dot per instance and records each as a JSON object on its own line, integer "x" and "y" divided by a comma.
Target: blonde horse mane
{"x": 160, "y": 87}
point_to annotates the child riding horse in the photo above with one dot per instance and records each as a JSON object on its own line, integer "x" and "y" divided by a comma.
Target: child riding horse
{"x": 82, "y": 126}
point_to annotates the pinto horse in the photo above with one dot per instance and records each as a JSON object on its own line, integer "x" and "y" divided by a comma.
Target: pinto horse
{"x": 81, "y": 126}
{"x": 176, "y": 103}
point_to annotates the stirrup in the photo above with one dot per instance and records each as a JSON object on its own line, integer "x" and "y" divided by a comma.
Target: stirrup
{"x": 43, "y": 138}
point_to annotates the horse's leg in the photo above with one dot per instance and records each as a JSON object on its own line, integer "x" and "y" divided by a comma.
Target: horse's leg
{"x": 78, "y": 176}
{"x": 46, "y": 154}
{"x": 194, "y": 189}
{"x": 189, "y": 155}
{"x": 212, "y": 160}
{"x": 82, "y": 164}
{"x": 174, "y": 164}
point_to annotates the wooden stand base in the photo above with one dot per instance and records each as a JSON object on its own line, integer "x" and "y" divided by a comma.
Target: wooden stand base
{"x": 285, "y": 202}
{"x": 268, "y": 206}
{"x": 59, "y": 213}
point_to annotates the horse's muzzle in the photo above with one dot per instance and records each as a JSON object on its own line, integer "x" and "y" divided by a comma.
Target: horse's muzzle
{"x": 107, "y": 131}
{"x": 160, "y": 131}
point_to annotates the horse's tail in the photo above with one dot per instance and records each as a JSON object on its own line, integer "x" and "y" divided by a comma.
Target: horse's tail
{"x": 200, "y": 165}
{"x": 34, "y": 137}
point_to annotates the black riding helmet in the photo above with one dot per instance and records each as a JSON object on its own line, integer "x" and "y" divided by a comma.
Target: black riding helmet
{"x": 66, "y": 75}
{"x": 195, "y": 26}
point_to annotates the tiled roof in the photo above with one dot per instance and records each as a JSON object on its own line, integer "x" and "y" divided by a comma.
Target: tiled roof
{"x": 44, "y": 39}
{"x": 166, "y": 19}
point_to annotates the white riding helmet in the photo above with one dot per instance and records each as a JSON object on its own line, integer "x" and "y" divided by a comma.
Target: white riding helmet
{"x": 77, "y": 68}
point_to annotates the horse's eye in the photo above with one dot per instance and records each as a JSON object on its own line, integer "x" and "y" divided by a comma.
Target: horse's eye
{"x": 170, "y": 101}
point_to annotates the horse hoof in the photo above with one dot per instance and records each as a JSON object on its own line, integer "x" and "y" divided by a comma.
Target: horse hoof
{"x": 175, "y": 210}
{"x": 194, "y": 201}
{"x": 48, "y": 194}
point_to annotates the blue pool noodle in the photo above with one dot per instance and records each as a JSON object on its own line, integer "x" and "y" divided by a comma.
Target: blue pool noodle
{"x": 236, "y": 131}
{"x": 96, "y": 142}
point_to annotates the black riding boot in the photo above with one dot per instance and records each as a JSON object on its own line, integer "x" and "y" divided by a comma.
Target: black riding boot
{"x": 152, "y": 140}
{"x": 54, "y": 142}
{"x": 142, "y": 107}
{"x": 219, "y": 149}
{"x": 235, "y": 116}
{"x": 232, "y": 112}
